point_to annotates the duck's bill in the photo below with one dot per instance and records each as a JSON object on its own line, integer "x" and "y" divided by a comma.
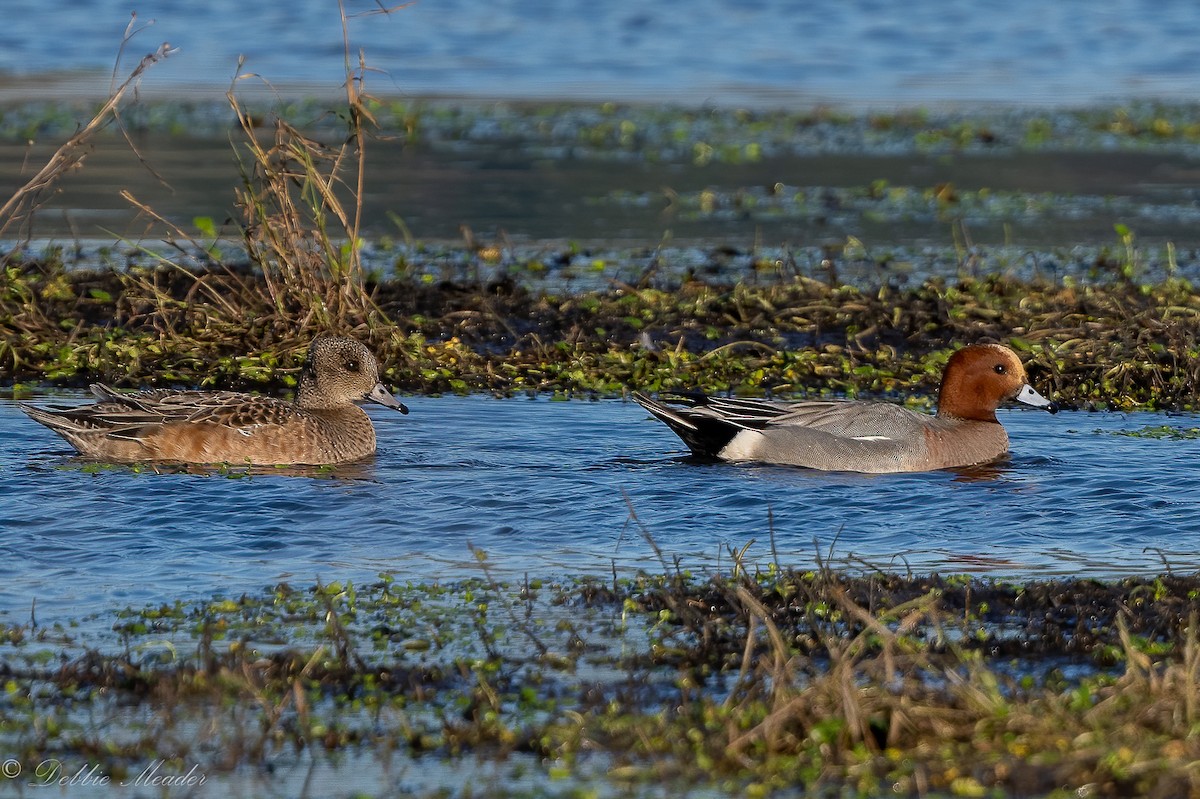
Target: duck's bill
{"x": 384, "y": 397}
{"x": 1030, "y": 397}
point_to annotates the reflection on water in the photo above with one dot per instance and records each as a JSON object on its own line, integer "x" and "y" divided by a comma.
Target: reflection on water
{"x": 542, "y": 487}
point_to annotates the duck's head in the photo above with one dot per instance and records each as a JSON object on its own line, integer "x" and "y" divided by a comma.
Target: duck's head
{"x": 338, "y": 372}
{"x": 979, "y": 377}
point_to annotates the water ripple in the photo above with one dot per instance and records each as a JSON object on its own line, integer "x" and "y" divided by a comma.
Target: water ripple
{"x": 925, "y": 51}
{"x": 545, "y": 488}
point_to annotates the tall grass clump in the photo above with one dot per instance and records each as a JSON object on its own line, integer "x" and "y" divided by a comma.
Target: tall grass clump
{"x": 299, "y": 272}
{"x": 302, "y": 205}
{"x": 300, "y": 226}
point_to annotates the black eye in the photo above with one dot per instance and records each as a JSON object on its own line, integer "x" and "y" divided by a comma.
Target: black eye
{"x": 353, "y": 365}
{"x": 1000, "y": 368}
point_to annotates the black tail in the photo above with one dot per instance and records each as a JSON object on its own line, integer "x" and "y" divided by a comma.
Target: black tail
{"x": 704, "y": 434}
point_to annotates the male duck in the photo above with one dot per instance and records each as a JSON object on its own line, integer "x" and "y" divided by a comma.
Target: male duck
{"x": 856, "y": 436}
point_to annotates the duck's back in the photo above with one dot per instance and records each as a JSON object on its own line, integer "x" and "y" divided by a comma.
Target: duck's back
{"x": 853, "y": 418}
{"x": 874, "y": 437}
{"x": 210, "y": 427}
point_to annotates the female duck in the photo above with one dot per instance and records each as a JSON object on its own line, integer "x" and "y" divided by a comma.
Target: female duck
{"x": 864, "y": 436}
{"x": 322, "y": 426}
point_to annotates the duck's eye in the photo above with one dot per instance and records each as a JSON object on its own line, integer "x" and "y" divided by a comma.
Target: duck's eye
{"x": 1000, "y": 368}
{"x": 353, "y": 365}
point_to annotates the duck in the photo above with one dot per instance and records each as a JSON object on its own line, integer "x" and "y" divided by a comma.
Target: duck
{"x": 321, "y": 426}
{"x": 863, "y": 436}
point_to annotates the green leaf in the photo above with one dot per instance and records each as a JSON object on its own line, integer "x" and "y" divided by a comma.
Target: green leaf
{"x": 205, "y": 225}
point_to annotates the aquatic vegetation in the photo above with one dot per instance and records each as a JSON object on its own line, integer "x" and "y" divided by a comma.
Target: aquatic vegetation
{"x": 301, "y": 204}
{"x": 745, "y": 683}
{"x": 911, "y": 205}
{"x": 302, "y": 207}
{"x": 489, "y": 317}
{"x": 787, "y": 333}
{"x": 1162, "y": 432}
{"x": 660, "y": 133}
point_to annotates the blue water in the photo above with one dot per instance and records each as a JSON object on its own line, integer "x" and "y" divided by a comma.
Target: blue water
{"x": 766, "y": 51}
{"x": 544, "y": 488}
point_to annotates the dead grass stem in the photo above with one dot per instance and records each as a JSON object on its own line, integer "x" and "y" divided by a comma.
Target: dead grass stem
{"x": 20, "y": 207}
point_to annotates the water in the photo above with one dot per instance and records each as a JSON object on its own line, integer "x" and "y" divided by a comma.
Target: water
{"x": 526, "y": 197}
{"x": 762, "y": 53}
{"x": 769, "y": 52}
{"x": 545, "y": 488}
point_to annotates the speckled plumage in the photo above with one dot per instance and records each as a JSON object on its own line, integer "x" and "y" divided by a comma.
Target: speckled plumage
{"x": 322, "y": 425}
{"x": 863, "y": 436}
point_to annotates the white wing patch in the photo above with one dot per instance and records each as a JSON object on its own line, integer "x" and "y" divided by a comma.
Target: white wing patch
{"x": 873, "y": 438}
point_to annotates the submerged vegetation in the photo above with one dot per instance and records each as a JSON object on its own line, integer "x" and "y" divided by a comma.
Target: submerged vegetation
{"x": 746, "y": 683}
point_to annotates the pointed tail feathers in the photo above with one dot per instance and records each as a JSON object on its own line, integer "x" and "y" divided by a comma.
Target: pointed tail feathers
{"x": 704, "y": 433}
